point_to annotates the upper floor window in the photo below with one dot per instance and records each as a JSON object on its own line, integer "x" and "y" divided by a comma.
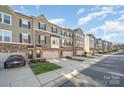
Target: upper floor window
{"x": 5, "y": 18}
{"x": 5, "y": 36}
{"x": 70, "y": 34}
{"x": 62, "y": 42}
{"x": 0, "y": 17}
{"x": 42, "y": 38}
{"x": 79, "y": 43}
{"x": 62, "y": 33}
{"x": 24, "y": 23}
{"x": 0, "y": 35}
{"x": 42, "y": 26}
{"x": 54, "y": 30}
{"x": 55, "y": 42}
{"x": 24, "y": 38}
{"x": 67, "y": 34}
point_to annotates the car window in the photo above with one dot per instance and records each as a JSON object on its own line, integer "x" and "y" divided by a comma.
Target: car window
{"x": 15, "y": 58}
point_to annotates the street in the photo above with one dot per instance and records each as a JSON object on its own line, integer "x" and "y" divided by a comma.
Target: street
{"x": 107, "y": 72}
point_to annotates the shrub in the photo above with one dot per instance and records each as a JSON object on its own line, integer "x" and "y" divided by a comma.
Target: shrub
{"x": 68, "y": 57}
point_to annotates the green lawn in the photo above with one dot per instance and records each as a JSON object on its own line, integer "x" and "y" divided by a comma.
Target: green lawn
{"x": 45, "y": 67}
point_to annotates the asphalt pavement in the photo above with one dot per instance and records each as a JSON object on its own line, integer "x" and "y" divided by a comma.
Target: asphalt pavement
{"x": 108, "y": 72}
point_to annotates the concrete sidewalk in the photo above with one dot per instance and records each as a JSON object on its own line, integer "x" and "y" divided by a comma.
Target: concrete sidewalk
{"x": 70, "y": 68}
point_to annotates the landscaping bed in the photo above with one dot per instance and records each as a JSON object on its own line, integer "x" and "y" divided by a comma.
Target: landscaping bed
{"x": 74, "y": 58}
{"x": 77, "y": 59}
{"x": 42, "y": 66}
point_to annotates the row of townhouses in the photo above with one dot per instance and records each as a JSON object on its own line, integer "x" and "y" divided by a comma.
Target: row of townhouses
{"x": 35, "y": 37}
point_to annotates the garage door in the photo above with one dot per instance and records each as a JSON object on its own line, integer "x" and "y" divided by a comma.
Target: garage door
{"x": 80, "y": 52}
{"x": 67, "y": 53}
{"x": 4, "y": 56}
{"x": 50, "y": 54}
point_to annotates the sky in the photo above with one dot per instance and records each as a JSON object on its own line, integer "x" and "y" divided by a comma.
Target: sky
{"x": 106, "y": 22}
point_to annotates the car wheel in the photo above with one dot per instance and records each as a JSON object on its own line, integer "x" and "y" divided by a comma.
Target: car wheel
{"x": 24, "y": 64}
{"x": 5, "y": 66}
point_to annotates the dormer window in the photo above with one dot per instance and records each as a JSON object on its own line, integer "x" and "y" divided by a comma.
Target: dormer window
{"x": 24, "y": 23}
{"x": 42, "y": 26}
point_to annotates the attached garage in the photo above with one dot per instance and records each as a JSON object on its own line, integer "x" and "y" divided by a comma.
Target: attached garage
{"x": 4, "y": 56}
{"x": 51, "y": 54}
{"x": 79, "y": 52}
{"x": 67, "y": 53}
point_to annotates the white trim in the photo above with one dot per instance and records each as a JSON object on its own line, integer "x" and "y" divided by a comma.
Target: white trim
{"x": 42, "y": 24}
{"x": 3, "y": 30}
{"x": 47, "y": 31}
{"x": 26, "y": 35}
{"x": 16, "y": 43}
{"x": 3, "y": 18}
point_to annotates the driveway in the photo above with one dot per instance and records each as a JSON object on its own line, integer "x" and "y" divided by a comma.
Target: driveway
{"x": 18, "y": 77}
{"x": 107, "y": 72}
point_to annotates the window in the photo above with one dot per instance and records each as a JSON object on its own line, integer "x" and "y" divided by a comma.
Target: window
{"x": 38, "y": 54}
{"x": 1, "y": 36}
{"x": 5, "y": 36}
{"x": 30, "y": 54}
{"x": 42, "y": 39}
{"x": 62, "y": 33}
{"x": 54, "y": 30}
{"x": 67, "y": 33}
{"x": 0, "y": 17}
{"x": 24, "y": 23}
{"x": 54, "y": 42}
{"x": 7, "y": 19}
{"x": 42, "y": 26}
{"x": 62, "y": 42}
{"x": 25, "y": 38}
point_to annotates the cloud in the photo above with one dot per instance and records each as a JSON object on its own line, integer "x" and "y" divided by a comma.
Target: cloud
{"x": 103, "y": 11}
{"x": 23, "y": 9}
{"x": 37, "y": 7}
{"x": 58, "y": 21}
{"x": 109, "y": 36}
{"x": 113, "y": 26}
{"x": 80, "y": 11}
{"x": 110, "y": 30}
{"x": 121, "y": 18}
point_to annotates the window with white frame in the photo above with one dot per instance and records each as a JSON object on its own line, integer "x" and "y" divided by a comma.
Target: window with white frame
{"x": 0, "y": 17}
{"x": 67, "y": 33}
{"x": 62, "y": 42}
{"x": 1, "y": 36}
{"x": 54, "y": 42}
{"x": 25, "y": 38}
{"x": 54, "y": 30}
{"x": 62, "y": 33}
{"x": 5, "y": 36}
{"x": 5, "y": 18}
{"x": 25, "y": 23}
{"x": 43, "y": 38}
{"x": 42, "y": 26}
